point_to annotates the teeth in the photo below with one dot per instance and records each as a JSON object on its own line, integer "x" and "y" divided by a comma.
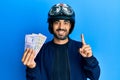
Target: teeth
{"x": 61, "y": 32}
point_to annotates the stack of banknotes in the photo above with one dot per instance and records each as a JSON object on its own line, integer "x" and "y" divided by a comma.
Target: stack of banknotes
{"x": 35, "y": 41}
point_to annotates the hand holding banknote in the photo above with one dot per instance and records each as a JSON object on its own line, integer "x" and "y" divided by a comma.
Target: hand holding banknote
{"x": 28, "y": 58}
{"x": 33, "y": 44}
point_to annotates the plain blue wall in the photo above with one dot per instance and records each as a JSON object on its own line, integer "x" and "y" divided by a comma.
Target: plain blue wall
{"x": 99, "y": 20}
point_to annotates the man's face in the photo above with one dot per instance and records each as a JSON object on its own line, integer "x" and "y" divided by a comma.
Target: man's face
{"x": 61, "y": 29}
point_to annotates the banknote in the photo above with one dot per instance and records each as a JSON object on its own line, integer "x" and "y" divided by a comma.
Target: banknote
{"x": 35, "y": 41}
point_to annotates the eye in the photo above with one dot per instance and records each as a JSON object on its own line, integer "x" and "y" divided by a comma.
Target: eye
{"x": 56, "y": 22}
{"x": 67, "y": 22}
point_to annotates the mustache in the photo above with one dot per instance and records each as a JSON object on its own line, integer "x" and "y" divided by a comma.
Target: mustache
{"x": 61, "y": 30}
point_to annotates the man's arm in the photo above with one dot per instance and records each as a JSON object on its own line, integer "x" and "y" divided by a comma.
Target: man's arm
{"x": 91, "y": 68}
{"x": 32, "y": 65}
{"x": 33, "y": 73}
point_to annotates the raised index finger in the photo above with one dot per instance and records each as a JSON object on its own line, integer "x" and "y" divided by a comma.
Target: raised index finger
{"x": 83, "y": 40}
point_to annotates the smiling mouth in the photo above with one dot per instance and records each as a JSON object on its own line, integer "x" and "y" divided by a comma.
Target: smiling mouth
{"x": 61, "y": 32}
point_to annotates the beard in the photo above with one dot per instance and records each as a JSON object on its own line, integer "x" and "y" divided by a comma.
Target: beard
{"x": 61, "y": 34}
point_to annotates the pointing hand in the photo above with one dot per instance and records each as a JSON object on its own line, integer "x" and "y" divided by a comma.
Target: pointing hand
{"x": 85, "y": 50}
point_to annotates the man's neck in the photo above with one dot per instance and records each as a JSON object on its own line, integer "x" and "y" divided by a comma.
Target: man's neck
{"x": 58, "y": 41}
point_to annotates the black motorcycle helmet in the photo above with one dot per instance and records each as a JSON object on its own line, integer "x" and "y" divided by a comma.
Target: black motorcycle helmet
{"x": 61, "y": 11}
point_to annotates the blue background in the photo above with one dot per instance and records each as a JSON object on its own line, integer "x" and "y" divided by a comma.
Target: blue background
{"x": 99, "y": 20}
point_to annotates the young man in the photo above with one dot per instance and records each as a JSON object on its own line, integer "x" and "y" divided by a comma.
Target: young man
{"x": 62, "y": 58}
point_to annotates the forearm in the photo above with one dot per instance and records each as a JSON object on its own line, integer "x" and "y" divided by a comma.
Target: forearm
{"x": 92, "y": 68}
{"x": 33, "y": 73}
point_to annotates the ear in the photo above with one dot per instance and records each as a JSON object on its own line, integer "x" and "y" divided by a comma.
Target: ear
{"x": 50, "y": 27}
{"x": 71, "y": 27}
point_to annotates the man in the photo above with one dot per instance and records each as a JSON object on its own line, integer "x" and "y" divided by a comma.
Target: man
{"x": 62, "y": 58}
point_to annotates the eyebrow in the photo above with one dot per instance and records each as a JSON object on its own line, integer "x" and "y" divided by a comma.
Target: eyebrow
{"x": 67, "y": 21}
{"x": 64, "y": 21}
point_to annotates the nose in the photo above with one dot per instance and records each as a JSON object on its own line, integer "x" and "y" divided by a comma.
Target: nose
{"x": 61, "y": 25}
